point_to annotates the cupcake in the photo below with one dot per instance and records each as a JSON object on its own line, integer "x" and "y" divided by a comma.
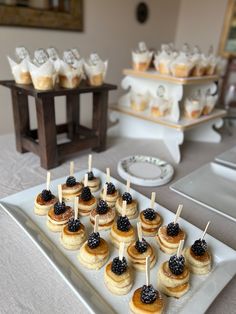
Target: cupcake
{"x": 169, "y": 237}
{"x": 118, "y": 276}
{"x": 95, "y": 70}
{"x": 192, "y": 108}
{"x": 59, "y": 215}
{"x": 150, "y": 219}
{"x": 209, "y": 104}
{"x": 163, "y": 61}
{"x": 141, "y": 57}
{"x": 19, "y": 67}
{"x": 94, "y": 253}
{"x": 93, "y": 182}
{"x": 181, "y": 66}
{"x": 173, "y": 277}
{"x": 198, "y": 257}
{"x": 139, "y": 102}
{"x": 71, "y": 188}
{"x": 122, "y": 230}
{"x": 160, "y": 107}
{"x": 70, "y": 71}
{"x": 112, "y": 192}
{"x": 132, "y": 204}
{"x": 147, "y": 299}
{"x": 87, "y": 202}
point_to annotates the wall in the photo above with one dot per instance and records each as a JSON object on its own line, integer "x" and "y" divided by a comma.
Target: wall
{"x": 110, "y": 29}
{"x": 200, "y": 22}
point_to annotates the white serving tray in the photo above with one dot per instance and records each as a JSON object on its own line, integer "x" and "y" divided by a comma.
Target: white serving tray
{"x": 213, "y": 186}
{"x": 228, "y": 158}
{"x": 89, "y": 285}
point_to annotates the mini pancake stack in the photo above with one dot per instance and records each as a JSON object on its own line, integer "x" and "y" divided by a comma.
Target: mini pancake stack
{"x": 45, "y": 200}
{"x": 147, "y": 300}
{"x": 118, "y": 276}
{"x": 95, "y": 252}
{"x": 59, "y": 215}
{"x": 169, "y": 237}
{"x": 173, "y": 276}
{"x": 139, "y": 250}
{"x": 132, "y": 205}
{"x": 71, "y": 188}
{"x": 150, "y": 219}
{"x": 106, "y": 214}
{"x": 93, "y": 182}
{"x": 198, "y": 258}
{"x": 73, "y": 234}
{"x": 87, "y": 202}
{"x": 122, "y": 230}
{"x": 112, "y": 192}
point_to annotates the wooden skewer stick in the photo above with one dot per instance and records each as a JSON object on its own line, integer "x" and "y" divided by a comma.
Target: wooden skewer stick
{"x": 104, "y": 194}
{"x": 140, "y": 233}
{"x": 108, "y": 175}
{"x": 204, "y": 232}
{"x": 96, "y": 223}
{"x": 76, "y": 203}
{"x": 153, "y": 198}
{"x": 121, "y": 250}
{"x": 180, "y": 248}
{"x": 48, "y": 180}
{"x": 86, "y": 179}
{"x": 90, "y": 163}
{"x": 124, "y": 205}
{"x": 128, "y": 185}
{"x": 179, "y": 210}
{"x": 148, "y": 270}
{"x": 60, "y": 193}
{"x": 72, "y": 168}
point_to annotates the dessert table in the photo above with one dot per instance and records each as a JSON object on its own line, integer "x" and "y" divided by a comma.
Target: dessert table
{"x": 29, "y": 284}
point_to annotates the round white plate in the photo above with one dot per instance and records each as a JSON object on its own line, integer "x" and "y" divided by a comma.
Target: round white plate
{"x": 145, "y": 170}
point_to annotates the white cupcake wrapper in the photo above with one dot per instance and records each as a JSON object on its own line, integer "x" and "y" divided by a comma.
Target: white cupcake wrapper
{"x": 140, "y": 57}
{"x": 92, "y": 70}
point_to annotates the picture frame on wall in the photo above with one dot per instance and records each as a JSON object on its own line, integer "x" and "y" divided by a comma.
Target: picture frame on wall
{"x": 49, "y": 14}
{"x": 227, "y": 45}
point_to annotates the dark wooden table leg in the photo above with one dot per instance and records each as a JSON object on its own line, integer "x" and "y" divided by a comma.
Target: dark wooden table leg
{"x": 73, "y": 114}
{"x": 45, "y": 109}
{"x": 100, "y": 107}
{"x": 21, "y": 117}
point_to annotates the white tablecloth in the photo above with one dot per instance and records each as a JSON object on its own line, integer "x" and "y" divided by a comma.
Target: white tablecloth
{"x": 29, "y": 284}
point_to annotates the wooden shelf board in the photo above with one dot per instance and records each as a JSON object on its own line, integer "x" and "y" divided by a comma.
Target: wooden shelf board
{"x": 154, "y": 75}
{"x": 182, "y": 125}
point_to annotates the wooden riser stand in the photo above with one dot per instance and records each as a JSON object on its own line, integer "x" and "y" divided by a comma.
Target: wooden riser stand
{"x": 43, "y": 141}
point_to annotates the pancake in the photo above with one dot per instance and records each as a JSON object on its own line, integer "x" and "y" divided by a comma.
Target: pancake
{"x": 131, "y": 209}
{"x": 73, "y": 240}
{"x": 199, "y": 265}
{"x": 94, "y": 184}
{"x": 105, "y": 220}
{"x": 118, "y": 236}
{"x": 85, "y": 207}
{"x": 70, "y": 192}
{"x": 110, "y": 198}
{"x": 42, "y": 207}
{"x": 150, "y": 227}
{"x": 138, "y": 260}
{"x": 169, "y": 244}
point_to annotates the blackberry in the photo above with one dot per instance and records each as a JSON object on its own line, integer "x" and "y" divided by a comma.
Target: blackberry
{"x": 46, "y": 195}
{"x": 199, "y": 247}
{"x": 73, "y": 224}
{"x": 176, "y": 264}
{"x": 119, "y": 266}
{"x": 123, "y": 223}
{"x": 110, "y": 188}
{"x": 90, "y": 175}
{"x": 149, "y": 214}
{"x": 127, "y": 197}
{"x": 94, "y": 240}
{"x": 148, "y": 294}
{"x": 59, "y": 208}
{"x": 86, "y": 194}
{"x": 71, "y": 181}
{"x": 173, "y": 229}
{"x": 102, "y": 207}
{"x": 141, "y": 246}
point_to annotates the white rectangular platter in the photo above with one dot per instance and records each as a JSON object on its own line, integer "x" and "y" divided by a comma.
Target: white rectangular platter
{"x": 89, "y": 285}
{"x": 228, "y": 158}
{"x": 213, "y": 186}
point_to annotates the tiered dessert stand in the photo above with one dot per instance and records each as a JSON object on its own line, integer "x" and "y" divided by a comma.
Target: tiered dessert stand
{"x": 174, "y": 129}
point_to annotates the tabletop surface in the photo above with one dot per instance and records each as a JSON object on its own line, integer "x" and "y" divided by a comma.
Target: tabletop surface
{"x": 29, "y": 284}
